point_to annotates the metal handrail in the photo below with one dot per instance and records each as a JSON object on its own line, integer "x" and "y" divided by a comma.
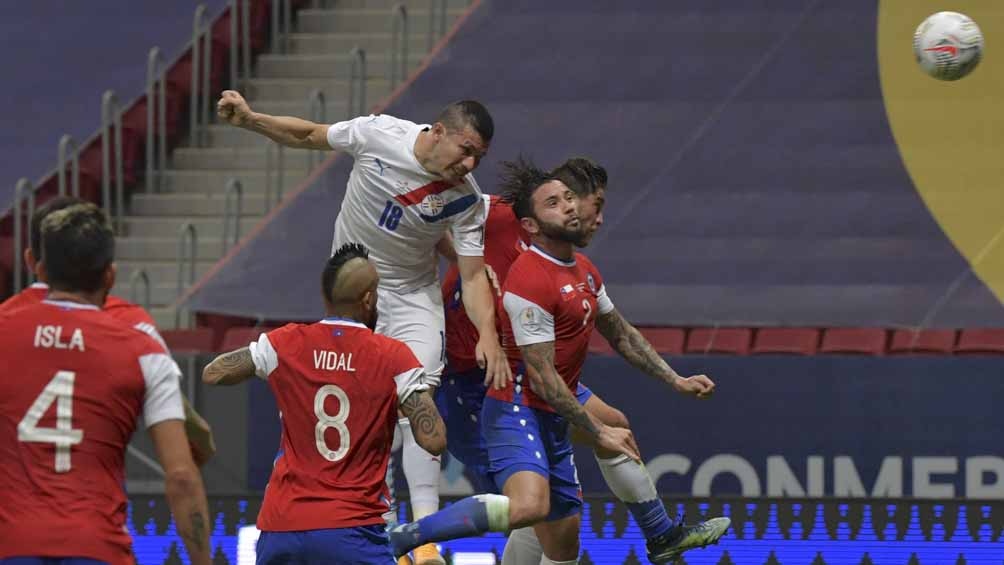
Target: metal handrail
{"x": 357, "y": 82}
{"x": 433, "y": 20}
{"x": 278, "y": 169}
{"x": 282, "y": 15}
{"x": 111, "y": 119}
{"x": 65, "y": 143}
{"x": 155, "y": 61}
{"x": 135, "y": 278}
{"x": 185, "y": 233}
{"x": 318, "y": 114}
{"x": 398, "y": 44}
{"x": 23, "y": 186}
{"x": 233, "y": 189}
{"x": 199, "y": 112}
{"x": 236, "y": 43}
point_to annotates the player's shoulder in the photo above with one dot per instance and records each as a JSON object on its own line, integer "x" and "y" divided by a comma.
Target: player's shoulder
{"x": 585, "y": 262}
{"x": 129, "y": 312}
{"x": 31, "y": 295}
{"x": 528, "y": 273}
{"x": 385, "y": 125}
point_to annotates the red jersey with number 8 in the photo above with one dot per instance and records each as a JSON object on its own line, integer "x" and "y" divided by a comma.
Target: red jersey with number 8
{"x": 338, "y": 387}
{"x": 75, "y": 381}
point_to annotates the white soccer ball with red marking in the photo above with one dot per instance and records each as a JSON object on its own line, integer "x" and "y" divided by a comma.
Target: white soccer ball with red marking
{"x": 948, "y": 45}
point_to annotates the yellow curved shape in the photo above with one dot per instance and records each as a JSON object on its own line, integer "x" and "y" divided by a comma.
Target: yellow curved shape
{"x": 951, "y": 134}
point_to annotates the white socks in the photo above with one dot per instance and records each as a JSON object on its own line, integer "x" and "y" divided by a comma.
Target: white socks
{"x": 522, "y": 548}
{"x": 627, "y": 479}
{"x": 545, "y": 561}
{"x": 422, "y": 471}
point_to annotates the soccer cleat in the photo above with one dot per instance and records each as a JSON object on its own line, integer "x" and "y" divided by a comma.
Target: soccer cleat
{"x": 670, "y": 545}
{"x": 428, "y": 555}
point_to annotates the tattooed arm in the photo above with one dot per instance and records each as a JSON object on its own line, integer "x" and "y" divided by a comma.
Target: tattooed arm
{"x": 426, "y": 423}
{"x": 539, "y": 361}
{"x": 230, "y": 368}
{"x": 183, "y": 488}
{"x": 636, "y": 350}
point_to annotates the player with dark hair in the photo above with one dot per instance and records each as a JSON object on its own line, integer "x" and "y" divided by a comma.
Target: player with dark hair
{"x": 200, "y": 436}
{"x": 410, "y": 184}
{"x": 338, "y": 387}
{"x": 75, "y": 382}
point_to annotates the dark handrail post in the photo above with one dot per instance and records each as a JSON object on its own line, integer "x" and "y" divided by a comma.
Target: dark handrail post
{"x": 67, "y": 144}
{"x": 357, "y": 82}
{"x": 186, "y": 234}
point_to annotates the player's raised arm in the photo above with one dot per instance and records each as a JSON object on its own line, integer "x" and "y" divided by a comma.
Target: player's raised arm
{"x": 426, "y": 423}
{"x": 285, "y": 130}
{"x": 183, "y": 488}
{"x": 478, "y": 295}
{"x": 230, "y": 368}
{"x": 539, "y": 361}
{"x": 636, "y": 350}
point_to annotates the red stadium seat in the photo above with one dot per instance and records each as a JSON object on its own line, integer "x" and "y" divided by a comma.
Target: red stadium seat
{"x": 983, "y": 340}
{"x": 867, "y": 341}
{"x": 198, "y": 340}
{"x": 668, "y": 341}
{"x": 598, "y": 345}
{"x": 731, "y": 341}
{"x": 795, "y": 341}
{"x": 913, "y": 342}
{"x": 239, "y": 337}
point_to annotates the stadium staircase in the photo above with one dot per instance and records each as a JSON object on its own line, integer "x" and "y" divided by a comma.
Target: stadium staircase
{"x": 305, "y": 70}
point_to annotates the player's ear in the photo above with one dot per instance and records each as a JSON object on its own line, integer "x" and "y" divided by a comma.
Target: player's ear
{"x": 438, "y": 130}
{"x": 530, "y": 225}
{"x": 30, "y": 261}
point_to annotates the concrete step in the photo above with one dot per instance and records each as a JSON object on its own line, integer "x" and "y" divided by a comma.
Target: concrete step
{"x": 141, "y": 248}
{"x": 168, "y": 226}
{"x": 163, "y": 316}
{"x": 207, "y": 182}
{"x": 375, "y": 43}
{"x": 330, "y": 66}
{"x": 216, "y": 158}
{"x": 197, "y": 205}
{"x": 161, "y": 293}
{"x": 298, "y": 89}
{"x": 412, "y": 5}
{"x": 364, "y": 20}
{"x": 336, "y": 107}
{"x": 160, "y": 272}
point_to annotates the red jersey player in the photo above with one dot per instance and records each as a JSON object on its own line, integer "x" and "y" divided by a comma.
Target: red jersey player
{"x": 565, "y": 297}
{"x": 200, "y": 436}
{"x": 338, "y": 386}
{"x": 76, "y": 382}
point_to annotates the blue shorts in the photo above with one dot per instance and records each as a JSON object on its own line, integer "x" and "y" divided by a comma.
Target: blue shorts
{"x": 459, "y": 400}
{"x": 362, "y": 545}
{"x": 50, "y": 561}
{"x": 520, "y": 438}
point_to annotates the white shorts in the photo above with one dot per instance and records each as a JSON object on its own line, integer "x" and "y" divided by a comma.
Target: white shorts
{"x": 417, "y": 319}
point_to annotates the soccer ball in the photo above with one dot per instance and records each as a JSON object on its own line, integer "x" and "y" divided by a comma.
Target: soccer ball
{"x": 948, "y": 45}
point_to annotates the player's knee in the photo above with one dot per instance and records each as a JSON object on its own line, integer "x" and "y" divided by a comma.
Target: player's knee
{"x": 527, "y": 510}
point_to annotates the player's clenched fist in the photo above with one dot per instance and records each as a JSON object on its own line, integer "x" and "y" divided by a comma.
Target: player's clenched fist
{"x": 698, "y": 385}
{"x": 233, "y": 108}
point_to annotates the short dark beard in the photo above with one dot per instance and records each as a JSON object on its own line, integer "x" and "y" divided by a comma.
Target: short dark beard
{"x": 559, "y": 232}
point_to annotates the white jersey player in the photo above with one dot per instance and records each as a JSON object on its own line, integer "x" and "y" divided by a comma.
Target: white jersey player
{"x": 410, "y": 185}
